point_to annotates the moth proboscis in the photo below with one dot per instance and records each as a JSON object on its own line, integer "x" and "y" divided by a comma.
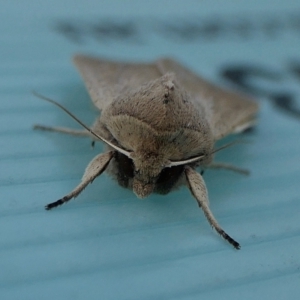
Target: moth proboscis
{"x": 159, "y": 122}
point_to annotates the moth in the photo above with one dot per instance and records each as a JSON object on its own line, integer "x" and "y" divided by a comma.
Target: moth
{"x": 159, "y": 122}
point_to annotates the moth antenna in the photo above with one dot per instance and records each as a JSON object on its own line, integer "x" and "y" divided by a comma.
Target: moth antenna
{"x": 184, "y": 162}
{"x": 226, "y": 146}
{"x": 195, "y": 159}
{"x": 127, "y": 153}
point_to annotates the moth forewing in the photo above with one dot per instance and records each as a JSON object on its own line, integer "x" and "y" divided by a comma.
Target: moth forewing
{"x": 159, "y": 122}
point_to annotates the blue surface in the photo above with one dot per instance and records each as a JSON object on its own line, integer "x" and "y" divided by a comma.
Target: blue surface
{"x": 107, "y": 244}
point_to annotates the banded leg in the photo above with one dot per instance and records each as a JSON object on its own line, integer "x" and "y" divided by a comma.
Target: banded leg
{"x": 199, "y": 191}
{"x": 95, "y": 168}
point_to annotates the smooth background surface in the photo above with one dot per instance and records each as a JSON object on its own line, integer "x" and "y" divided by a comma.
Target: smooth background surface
{"x": 107, "y": 244}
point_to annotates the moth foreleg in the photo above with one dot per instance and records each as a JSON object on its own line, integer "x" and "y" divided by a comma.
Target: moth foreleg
{"x": 65, "y": 130}
{"x": 216, "y": 165}
{"x": 198, "y": 189}
{"x": 95, "y": 168}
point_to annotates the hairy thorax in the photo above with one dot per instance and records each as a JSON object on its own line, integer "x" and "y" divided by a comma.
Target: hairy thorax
{"x": 157, "y": 124}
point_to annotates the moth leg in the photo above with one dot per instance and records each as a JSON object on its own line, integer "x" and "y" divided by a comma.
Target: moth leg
{"x": 216, "y": 165}
{"x": 95, "y": 168}
{"x": 198, "y": 189}
{"x": 65, "y": 130}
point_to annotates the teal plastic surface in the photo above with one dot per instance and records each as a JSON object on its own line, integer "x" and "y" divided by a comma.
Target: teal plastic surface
{"x": 107, "y": 244}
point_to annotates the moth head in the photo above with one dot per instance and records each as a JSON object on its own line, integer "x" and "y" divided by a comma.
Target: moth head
{"x": 147, "y": 168}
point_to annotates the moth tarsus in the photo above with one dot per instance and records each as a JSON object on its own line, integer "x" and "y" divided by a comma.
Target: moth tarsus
{"x": 159, "y": 121}
{"x": 54, "y": 204}
{"x": 231, "y": 241}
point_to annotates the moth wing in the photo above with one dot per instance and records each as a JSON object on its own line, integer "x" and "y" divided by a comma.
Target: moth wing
{"x": 106, "y": 80}
{"x": 227, "y": 112}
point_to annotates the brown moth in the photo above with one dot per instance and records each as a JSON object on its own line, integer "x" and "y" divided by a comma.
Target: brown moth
{"x": 159, "y": 122}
